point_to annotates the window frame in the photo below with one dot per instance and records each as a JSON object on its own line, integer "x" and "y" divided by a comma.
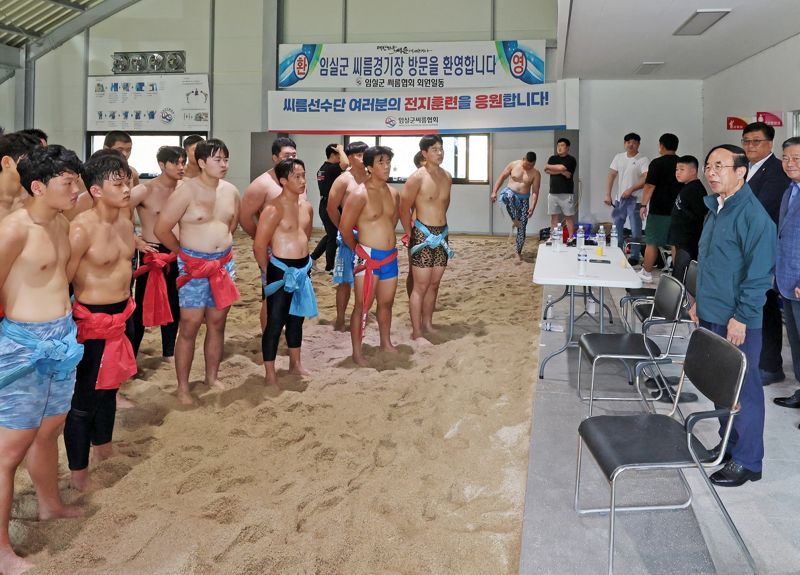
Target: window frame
{"x": 181, "y": 137}
{"x": 456, "y": 180}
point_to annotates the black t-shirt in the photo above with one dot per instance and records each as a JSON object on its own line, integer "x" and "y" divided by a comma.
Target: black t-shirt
{"x": 661, "y": 174}
{"x": 688, "y": 214}
{"x": 561, "y": 184}
{"x": 326, "y": 175}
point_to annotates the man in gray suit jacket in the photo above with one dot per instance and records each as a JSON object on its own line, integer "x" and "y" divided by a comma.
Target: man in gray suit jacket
{"x": 768, "y": 182}
{"x": 787, "y": 267}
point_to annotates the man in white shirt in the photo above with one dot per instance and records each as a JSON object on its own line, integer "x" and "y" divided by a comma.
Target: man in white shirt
{"x": 631, "y": 167}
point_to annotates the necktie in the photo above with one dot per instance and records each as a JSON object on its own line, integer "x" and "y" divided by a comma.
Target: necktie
{"x": 793, "y": 195}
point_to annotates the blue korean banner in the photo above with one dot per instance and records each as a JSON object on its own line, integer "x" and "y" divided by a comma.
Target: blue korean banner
{"x": 413, "y": 65}
{"x": 447, "y": 112}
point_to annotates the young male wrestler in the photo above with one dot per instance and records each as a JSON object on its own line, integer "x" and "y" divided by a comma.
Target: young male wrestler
{"x": 520, "y": 195}
{"x": 427, "y": 192}
{"x": 156, "y": 291}
{"x": 345, "y": 184}
{"x": 122, "y": 142}
{"x": 285, "y": 228}
{"x": 189, "y": 144}
{"x": 206, "y": 210}
{"x": 13, "y": 147}
{"x": 38, "y": 347}
{"x": 101, "y": 248}
{"x": 372, "y": 208}
{"x": 261, "y": 190}
{"x": 419, "y": 162}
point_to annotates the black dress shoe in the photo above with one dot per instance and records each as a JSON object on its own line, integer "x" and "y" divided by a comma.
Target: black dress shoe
{"x": 792, "y": 401}
{"x": 770, "y": 377}
{"x": 734, "y": 475}
{"x": 715, "y": 451}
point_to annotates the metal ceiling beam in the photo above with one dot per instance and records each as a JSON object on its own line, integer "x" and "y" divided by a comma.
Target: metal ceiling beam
{"x": 10, "y": 57}
{"x": 19, "y": 31}
{"x": 67, "y": 4}
{"x": 73, "y": 27}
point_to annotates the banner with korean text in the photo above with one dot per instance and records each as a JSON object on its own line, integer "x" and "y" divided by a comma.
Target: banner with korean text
{"x": 425, "y": 65}
{"x": 446, "y": 112}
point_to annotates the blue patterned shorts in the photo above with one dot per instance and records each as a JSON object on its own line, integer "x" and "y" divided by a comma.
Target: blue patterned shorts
{"x": 197, "y": 292}
{"x": 25, "y": 402}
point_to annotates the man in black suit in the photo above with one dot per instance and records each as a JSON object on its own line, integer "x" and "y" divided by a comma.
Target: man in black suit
{"x": 768, "y": 181}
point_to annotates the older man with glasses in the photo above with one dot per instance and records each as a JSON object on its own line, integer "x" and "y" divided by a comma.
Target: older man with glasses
{"x": 768, "y": 182}
{"x": 737, "y": 260}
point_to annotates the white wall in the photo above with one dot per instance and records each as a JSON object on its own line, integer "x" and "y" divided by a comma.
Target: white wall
{"x": 767, "y": 82}
{"x": 611, "y": 108}
{"x": 7, "y": 99}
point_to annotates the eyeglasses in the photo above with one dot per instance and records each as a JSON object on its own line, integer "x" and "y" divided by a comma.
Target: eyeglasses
{"x": 753, "y": 142}
{"x": 436, "y": 149}
{"x": 715, "y": 167}
{"x": 787, "y": 159}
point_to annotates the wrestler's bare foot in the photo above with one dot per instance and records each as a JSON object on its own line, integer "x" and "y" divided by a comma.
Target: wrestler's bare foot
{"x": 125, "y": 403}
{"x": 298, "y": 370}
{"x": 11, "y": 563}
{"x": 170, "y": 360}
{"x": 102, "y": 452}
{"x": 360, "y": 360}
{"x": 388, "y": 347}
{"x": 61, "y": 511}
{"x": 215, "y": 384}
{"x": 271, "y": 378}
{"x": 419, "y": 340}
{"x": 81, "y": 481}
{"x": 339, "y": 326}
{"x": 185, "y": 397}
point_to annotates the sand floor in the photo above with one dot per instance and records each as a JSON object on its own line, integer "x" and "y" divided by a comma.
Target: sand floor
{"x": 416, "y": 464}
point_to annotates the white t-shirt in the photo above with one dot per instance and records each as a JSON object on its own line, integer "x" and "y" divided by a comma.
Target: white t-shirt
{"x": 629, "y": 171}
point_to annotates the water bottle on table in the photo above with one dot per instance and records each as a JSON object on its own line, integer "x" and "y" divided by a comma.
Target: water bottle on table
{"x": 580, "y": 237}
{"x": 600, "y": 238}
{"x": 583, "y": 261}
{"x": 614, "y": 237}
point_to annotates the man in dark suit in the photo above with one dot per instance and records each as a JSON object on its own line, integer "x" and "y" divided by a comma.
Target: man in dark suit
{"x": 768, "y": 181}
{"x": 787, "y": 266}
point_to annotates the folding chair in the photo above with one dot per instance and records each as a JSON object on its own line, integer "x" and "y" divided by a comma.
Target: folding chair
{"x": 621, "y": 443}
{"x": 631, "y": 348}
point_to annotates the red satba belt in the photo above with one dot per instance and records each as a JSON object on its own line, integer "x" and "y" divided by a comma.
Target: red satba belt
{"x": 222, "y": 285}
{"x": 155, "y": 306}
{"x": 368, "y": 267}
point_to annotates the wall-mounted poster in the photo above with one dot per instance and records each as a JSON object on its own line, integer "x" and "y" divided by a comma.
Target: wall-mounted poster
{"x": 159, "y": 103}
{"x": 411, "y": 65}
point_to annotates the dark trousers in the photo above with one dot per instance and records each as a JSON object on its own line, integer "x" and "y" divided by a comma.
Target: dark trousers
{"x": 791, "y": 309}
{"x": 746, "y": 443}
{"x": 169, "y": 332}
{"x": 90, "y": 420}
{"x": 328, "y": 242}
{"x": 771, "y": 359}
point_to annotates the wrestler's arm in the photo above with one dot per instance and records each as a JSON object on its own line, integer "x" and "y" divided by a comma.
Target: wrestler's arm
{"x": 500, "y": 179}
{"x": 310, "y": 220}
{"x": 344, "y": 161}
{"x": 138, "y": 194}
{"x": 84, "y": 203}
{"x": 353, "y": 206}
{"x": 252, "y": 201}
{"x": 537, "y": 181}
{"x": 79, "y": 242}
{"x": 335, "y": 196}
{"x": 267, "y": 224}
{"x": 396, "y": 198}
{"x": 12, "y": 237}
{"x": 134, "y": 176}
{"x": 635, "y": 187}
{"x": 237, "y": 206}
{"x": 169, "y": 217}
{"x": 408, "y": 196}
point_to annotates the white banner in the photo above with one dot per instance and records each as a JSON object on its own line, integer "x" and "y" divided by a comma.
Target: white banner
{"x": 411, "y": 65}
{"x": 160, "y": 103}
{"x": 450, "y": 112}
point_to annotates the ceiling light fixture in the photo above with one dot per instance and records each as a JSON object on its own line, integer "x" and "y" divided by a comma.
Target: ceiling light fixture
{"x": 648, "y": 67}
{"x": 701, "y": 21}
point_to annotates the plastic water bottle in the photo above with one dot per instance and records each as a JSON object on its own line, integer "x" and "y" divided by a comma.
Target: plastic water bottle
{"x": 554, "y": 239}
{"x": 601, "y": 236}
{"x": 580, "y": 237}
{"x": 550, "y": 311}
{"x": 583, "y": 261}
{"x": 559, "y": 237}
{"x": 591, "y": 307}
{"x": 614, "y": 237}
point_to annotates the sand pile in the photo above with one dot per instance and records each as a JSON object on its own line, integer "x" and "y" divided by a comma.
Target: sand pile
{"x": 414, "y": 465}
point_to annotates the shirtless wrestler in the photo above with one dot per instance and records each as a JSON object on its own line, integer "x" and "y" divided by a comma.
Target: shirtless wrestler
{"x": 189, "y": 144}
{"x": 343, "y": 186}
{"x": 38, "y": 346}
{"x": 284, "y": 228}
{"x": 520, "y": 195}
{"x": 101, "y": 248}
{"x": 206, "y": 210}
{"x": 426, "y": 192}
{"x": 372, "y": 208}
{"x": 156, "y": 292}
{"x": 13, "y": 147}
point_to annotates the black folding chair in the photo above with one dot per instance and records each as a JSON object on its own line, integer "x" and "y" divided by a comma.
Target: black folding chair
{"x": 621, "y": 443}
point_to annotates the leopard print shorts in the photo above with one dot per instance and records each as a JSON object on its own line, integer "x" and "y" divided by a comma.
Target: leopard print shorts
{"x": 427, "y": 257}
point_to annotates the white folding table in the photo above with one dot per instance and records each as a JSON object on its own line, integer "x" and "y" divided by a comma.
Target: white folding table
{"x": 561, "y": 268}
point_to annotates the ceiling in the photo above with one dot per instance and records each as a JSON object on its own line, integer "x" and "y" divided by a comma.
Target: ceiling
{"x": 611, "y": 38}
{"x": 24, "y": 21}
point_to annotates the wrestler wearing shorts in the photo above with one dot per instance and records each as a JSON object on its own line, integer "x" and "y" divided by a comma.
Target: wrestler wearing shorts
{"x": 197, "y": 292}
{"x": 427, "y": 257}
{"x": 386, "y": 271}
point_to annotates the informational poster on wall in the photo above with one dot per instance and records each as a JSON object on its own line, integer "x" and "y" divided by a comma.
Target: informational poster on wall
{"x": 406, "y": 65}
{"x": 450, "y": 112}
{"x": 158, "y": 103}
